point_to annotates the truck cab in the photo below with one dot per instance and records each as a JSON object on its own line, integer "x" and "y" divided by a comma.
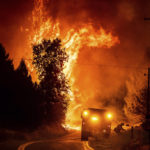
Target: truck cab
{"x": 95, "y": 122}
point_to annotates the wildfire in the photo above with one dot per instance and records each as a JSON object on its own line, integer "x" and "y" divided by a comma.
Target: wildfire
{"x": 72, "y": 41}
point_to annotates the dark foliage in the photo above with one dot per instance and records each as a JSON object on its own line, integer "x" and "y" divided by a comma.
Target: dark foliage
{"x": 138, "y": 104}
{"x": 49, "y": 59}
{"x": 24, "y": 105}
{"x": 141, "y": 102}
{"x": 20, "y": 100}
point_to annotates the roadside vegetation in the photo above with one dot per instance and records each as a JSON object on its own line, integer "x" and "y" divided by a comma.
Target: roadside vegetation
{"x": 126, "y": 140}
{"x": 26, "y": 106}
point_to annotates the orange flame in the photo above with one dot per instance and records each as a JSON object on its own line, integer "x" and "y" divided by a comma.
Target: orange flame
{"x": 72, "y": 41}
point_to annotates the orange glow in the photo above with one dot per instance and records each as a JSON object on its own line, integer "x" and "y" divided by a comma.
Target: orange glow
{"x": 72, "y": 40}
{"x": 94, "y": 118}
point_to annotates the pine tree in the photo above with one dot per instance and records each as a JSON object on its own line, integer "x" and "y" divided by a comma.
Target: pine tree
{"x": 5, "y": 63}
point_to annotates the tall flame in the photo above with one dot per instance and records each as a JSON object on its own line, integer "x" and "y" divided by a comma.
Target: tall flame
{"x": 72, "y": 41}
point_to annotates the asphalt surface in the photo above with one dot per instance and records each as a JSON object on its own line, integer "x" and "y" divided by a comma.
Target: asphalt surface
{"x": 72, "y": 141}
{"x": 69, "y": 142}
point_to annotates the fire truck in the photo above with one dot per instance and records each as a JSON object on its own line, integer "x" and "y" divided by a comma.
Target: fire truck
{"x": 95, "y": 122}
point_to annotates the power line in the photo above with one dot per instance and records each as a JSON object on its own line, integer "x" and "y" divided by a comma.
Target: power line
{"x": 115, "y": 66}
{"x": 99, "y": 65}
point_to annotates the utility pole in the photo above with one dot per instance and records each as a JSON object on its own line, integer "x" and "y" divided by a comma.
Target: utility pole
{"x": 147, "y": 116}
{"x": 147, "y": 121}
{"x": 148, "y": 89}
{"x": 148, "y": 97}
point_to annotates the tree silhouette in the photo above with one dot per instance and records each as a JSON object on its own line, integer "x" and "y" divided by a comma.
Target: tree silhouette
{"x": 24, "y": 105}
{"x": 22, "y": 68}
{"x": 49, "y": 59}
{"x": 20, "y": 101}
{"x": 137, "y": 104}
{"x": 5, "y": 62}
{"x": 23, "y": 74}
{"x": 29, "y": 99}
{"x": 6, "y": 88}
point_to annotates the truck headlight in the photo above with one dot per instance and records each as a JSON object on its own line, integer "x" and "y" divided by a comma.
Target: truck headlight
{"x": 109, "y": 116}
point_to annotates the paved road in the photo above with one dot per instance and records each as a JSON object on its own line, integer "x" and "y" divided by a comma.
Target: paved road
{"x": 68, "y": 142}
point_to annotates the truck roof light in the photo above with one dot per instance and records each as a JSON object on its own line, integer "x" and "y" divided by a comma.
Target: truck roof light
{"x": 94, "y": 118}
{"x": 85, "y": 113}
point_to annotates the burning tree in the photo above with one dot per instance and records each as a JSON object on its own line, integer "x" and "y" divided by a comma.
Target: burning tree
{"x": 49, "y": 59}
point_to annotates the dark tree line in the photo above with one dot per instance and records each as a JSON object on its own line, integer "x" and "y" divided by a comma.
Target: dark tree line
{"x": 27, "y": 105}
{"x": 49, "y": 59}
